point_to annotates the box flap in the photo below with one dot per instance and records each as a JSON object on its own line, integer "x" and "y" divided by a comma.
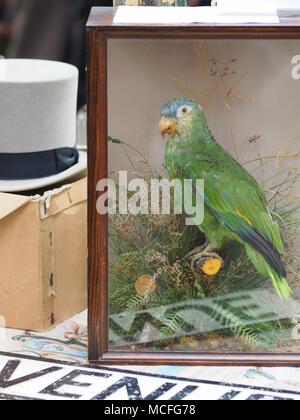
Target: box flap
{"x": 9, "y": 203}
{"x": 56, "y": 201}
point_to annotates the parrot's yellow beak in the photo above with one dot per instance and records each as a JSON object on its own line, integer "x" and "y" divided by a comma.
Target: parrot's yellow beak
{"x": 167, "y": 127}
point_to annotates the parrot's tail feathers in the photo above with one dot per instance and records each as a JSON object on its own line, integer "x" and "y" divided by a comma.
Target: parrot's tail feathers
{"x": 266, "y": 249}
{"x": 257, "y": 242}
{"x": 279, "y": 281}
{"x": 281, "y": 285}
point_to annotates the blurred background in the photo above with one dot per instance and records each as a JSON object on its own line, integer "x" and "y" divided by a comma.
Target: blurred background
{"x": 52, "y": 30}
{"x": 47, "y": 29}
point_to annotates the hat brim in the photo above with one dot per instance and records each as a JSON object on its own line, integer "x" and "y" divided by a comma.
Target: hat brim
{"x": 39, "y": 183}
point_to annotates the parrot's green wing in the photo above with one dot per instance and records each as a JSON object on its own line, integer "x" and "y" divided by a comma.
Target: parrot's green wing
{"x": 239, "y": 204}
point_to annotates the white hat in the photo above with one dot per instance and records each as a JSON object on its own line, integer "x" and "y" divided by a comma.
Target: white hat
{"x": 38, "y": 124}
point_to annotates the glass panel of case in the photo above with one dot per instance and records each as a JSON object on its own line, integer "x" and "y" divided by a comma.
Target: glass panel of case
{"x": 204, "y": 195}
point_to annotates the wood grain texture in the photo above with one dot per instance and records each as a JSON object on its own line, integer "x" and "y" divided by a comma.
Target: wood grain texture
{"x": 100, "y": 28}
{"x": 97, "y": 170}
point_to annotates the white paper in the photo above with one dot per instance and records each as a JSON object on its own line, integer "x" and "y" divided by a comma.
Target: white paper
{"x": 185, "y": 15}
{"x": 164, "y": 15}
{"x": 245, "y": 3}
{"x": 277, "y": 4}
{"x": 250, "y": 8}
{"x": 248, "y": 18}
{"x": 283, "y": 8}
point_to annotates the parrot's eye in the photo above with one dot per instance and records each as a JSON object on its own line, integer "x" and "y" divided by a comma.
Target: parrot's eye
{"x": 183, "y": 111}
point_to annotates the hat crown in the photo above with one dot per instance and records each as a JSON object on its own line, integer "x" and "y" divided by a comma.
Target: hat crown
{"x": 37, "y": 106}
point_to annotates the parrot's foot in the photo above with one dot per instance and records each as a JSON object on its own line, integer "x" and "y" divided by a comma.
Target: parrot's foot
{"x": 204, "y": 259}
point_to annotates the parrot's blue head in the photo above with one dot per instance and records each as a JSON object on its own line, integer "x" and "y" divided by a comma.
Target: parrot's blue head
{"x": 178, "y": 117}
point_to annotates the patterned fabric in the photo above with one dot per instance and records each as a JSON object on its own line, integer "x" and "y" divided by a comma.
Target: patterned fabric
{"x": 67, "y": 342}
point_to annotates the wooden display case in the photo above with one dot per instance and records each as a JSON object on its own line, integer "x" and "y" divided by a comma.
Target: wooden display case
{"x": 101, "y": 31}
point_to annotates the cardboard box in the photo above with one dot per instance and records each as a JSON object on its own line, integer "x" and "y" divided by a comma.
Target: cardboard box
{"x": 43, "y": 264}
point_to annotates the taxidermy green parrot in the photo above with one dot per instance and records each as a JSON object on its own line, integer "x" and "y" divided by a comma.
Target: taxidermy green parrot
{"x": 235, "y": 205}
